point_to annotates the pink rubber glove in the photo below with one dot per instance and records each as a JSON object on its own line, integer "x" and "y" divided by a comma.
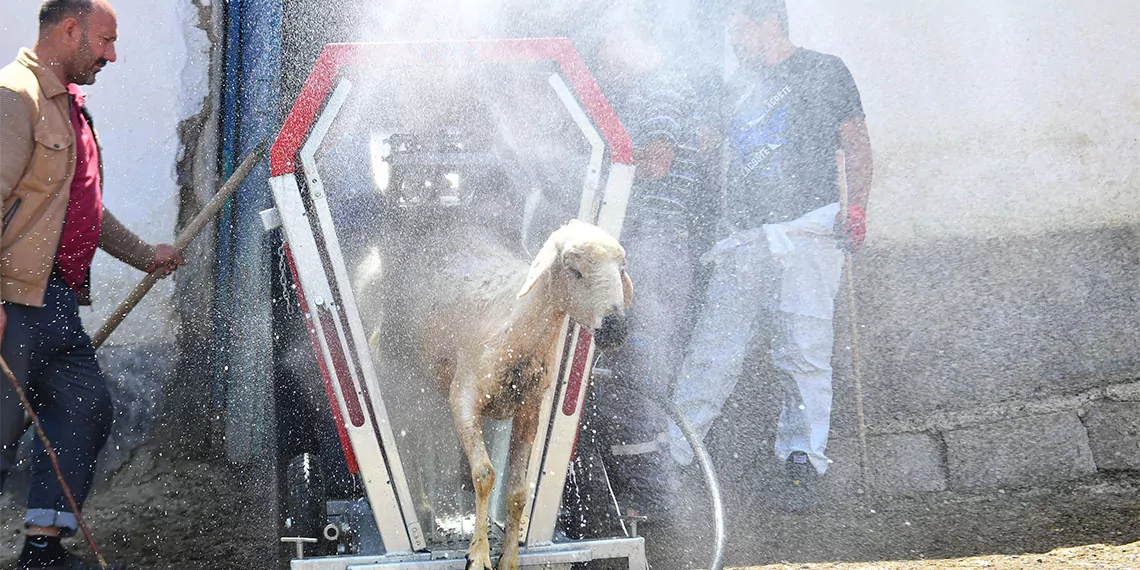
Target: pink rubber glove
{"x": 853, "y": 231}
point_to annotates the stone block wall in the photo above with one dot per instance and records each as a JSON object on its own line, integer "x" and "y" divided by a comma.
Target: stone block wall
{"x": 1114, "y": 434}
{"x": 1056, "y": 439}
{"x": 997, "y": 363}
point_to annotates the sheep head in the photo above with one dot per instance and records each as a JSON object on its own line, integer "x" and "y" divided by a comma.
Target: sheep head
{"x": 584, "y": 268}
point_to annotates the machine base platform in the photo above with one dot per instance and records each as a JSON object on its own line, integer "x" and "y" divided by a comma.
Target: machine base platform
{"x": 554, "y": 556}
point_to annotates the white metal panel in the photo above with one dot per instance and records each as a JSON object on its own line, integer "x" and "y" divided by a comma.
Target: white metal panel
{"x": 343, "y": 286}
{"x": 588, "y": 206}
{"x": 552, "y": 556}
{"x": 538, "y": 448}
{"x": 315, "y": 286}
{"x": 614, "y": 201}
{"x": 562, "y": 432}
{"x": 560, "y": 445}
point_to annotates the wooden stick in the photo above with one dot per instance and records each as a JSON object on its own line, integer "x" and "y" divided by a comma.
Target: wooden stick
{"x": 841, "y": 164}
{"x": 188, "y": 234}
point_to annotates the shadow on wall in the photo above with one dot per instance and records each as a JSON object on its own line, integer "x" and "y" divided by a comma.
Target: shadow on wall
{"x": 962, "y": 323}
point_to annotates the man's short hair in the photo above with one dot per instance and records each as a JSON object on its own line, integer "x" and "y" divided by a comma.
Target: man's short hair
{"x": 760, "y": 9}
{"x": 53, "y": 12}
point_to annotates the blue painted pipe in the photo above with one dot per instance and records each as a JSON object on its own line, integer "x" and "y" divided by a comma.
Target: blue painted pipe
{"x": 223, "y": 298}
{"x": 253, "y": 70}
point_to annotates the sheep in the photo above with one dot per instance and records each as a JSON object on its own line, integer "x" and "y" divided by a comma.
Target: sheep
{"x": 487, "y": 327}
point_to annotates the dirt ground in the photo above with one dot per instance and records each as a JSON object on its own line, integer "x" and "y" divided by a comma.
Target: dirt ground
{"x": 159, "y": 513}
{"x": 1110, "y": 557}
{"x": 1089, "y": 523}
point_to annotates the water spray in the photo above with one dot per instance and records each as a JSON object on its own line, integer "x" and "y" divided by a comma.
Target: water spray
{"x": 192, "y": 230}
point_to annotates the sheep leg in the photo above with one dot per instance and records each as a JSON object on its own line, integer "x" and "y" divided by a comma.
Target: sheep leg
{"x": 523, "y": 429}
{"x": 469, "y": 425}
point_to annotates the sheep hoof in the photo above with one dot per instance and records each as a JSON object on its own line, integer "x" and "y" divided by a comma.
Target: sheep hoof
{"x": 479, "y": 557}
{"x": 509, "y": 561}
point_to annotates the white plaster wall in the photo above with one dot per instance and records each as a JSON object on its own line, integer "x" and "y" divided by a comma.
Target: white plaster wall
{"x": 989, "y": 117}
{"x": 160, "y": 78}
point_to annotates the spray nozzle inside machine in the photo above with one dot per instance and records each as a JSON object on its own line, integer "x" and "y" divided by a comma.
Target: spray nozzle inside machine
{"x": 443, "y": 168}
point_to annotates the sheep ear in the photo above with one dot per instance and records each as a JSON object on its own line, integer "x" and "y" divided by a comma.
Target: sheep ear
{"x": 542, "y": 263}
{"x": 626, "y": 288}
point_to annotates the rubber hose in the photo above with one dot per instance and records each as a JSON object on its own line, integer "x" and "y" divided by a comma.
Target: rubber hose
{"x": 711, "y": 481}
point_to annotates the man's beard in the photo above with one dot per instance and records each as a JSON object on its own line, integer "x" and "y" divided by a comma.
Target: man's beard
{"x": 84, "y": 72}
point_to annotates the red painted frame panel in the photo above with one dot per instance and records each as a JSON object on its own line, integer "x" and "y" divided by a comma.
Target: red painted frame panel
{"x": 577, "y": 373}
{"x": 282, "y": 156}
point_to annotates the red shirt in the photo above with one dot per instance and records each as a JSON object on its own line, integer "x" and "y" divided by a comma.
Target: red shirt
{"x": 84, "y": 221}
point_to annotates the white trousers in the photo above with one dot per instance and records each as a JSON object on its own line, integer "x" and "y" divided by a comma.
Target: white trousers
{"x": 789, "y": 273}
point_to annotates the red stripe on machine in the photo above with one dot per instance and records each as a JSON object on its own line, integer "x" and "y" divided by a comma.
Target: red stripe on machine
{"x": 341, "y": 431}
{"x": 340, "y": 365}
{"x": 577, "y": 372}
{"x": 283, "y": 153}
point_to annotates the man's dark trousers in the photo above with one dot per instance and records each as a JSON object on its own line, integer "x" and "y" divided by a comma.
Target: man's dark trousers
{"x": 52, "y": 356}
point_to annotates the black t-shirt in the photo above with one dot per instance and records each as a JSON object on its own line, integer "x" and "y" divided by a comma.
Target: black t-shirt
{"x": 783, "y": 131}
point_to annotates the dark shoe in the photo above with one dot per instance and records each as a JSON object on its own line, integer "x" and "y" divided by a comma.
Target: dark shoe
{"x": 800, "y": 490}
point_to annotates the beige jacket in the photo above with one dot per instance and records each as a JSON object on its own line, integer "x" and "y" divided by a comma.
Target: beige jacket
{"x": 37, "y": 164}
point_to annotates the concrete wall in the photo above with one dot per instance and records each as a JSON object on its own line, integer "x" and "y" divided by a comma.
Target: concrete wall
{"x": 991, "y": 118}
{"x": 999, "y": 295}
{"x": 139, "y": 104}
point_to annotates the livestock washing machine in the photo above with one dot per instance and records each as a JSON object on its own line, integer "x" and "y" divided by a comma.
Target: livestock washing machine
{"x": 383, "y": 142}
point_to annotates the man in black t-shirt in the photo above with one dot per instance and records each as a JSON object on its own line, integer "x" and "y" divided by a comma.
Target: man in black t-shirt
{"x": 785, "y": 123}
{"x": 780, "y": 257}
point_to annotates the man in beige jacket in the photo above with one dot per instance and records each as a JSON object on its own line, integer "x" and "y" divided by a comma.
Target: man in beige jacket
{"x": 53, "y": 221}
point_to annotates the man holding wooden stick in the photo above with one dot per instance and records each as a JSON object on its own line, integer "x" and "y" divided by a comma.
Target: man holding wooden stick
{"x": 53, "y": 221}
{"x": 784, "y": 235}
